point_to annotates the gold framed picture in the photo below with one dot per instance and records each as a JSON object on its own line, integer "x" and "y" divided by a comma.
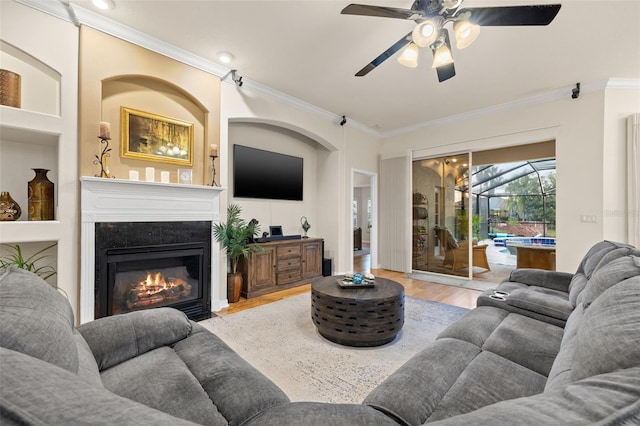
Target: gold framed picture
{"x": 152, "y": 137}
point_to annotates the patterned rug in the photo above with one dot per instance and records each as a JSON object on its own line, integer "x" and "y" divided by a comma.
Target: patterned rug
{"x": 281, "y": 341}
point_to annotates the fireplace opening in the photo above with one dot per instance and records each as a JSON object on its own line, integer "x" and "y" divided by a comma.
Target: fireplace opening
{"x": 149, "y": 277}
{"x": 168, "y": 271}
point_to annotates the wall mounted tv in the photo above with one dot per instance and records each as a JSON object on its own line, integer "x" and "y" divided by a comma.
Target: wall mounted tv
{"x": 264, "y": 174}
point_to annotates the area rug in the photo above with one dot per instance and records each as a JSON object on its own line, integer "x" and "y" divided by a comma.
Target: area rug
{"x": 281, "y": 341}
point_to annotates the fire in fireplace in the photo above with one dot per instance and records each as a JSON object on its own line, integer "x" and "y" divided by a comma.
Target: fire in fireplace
{"x": 167, "y": 271}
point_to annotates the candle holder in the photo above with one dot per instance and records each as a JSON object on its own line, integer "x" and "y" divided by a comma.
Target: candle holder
{"x": 213, "y": 170}
{"x": 102, "y": 159}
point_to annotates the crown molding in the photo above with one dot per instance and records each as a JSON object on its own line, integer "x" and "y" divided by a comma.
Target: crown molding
{"x": 549, "y": 96}
{"x": 51, "y": 7}
{"x": 623, "y": 83}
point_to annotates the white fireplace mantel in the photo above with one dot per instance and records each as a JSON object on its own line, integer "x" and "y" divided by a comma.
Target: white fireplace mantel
{"x": 118, "y": 200}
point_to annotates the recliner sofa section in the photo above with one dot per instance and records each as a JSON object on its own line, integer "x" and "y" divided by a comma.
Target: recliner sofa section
{"x": 549, "y": 295}
{"x": 495, "y": 366}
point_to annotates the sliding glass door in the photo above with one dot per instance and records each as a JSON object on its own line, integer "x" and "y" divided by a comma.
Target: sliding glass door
{"x": 440, "y": 215}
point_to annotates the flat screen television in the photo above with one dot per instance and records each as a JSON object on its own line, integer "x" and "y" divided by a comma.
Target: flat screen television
{"x": 264, "y": 174}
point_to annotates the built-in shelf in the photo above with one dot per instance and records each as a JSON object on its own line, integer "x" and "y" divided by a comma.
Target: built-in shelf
{"x": 42, "y": 133}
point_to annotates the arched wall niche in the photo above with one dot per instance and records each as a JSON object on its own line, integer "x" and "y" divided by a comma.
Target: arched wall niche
{"x": 155, "y": 96}
{"x": 327, "y": 145}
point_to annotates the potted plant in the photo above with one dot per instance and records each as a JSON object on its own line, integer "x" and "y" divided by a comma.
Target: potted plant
{"x": 235, "y": 236}
{"x": 16, "y": 258}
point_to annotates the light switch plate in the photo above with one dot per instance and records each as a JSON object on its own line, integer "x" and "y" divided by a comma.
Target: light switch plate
{"x": 588, "y": 218}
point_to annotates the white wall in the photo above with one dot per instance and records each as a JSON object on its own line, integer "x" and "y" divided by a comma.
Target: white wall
{"x": 619, "y": 104}
{"x": 582, "y": 133}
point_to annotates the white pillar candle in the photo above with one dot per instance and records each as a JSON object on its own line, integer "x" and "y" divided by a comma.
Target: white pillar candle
{"x": 150, "y": 174}
{"x": 164, "y": 177}
{"x": 105, "y": 130}
{"x": 213, "y": 150}
{"x": 134, "y": 175}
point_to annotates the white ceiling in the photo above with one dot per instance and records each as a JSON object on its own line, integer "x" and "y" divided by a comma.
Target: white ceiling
{"x": 306, "y": 49}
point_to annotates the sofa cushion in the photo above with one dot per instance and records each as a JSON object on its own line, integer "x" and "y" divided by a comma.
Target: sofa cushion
{"x": 321, "y": 414}
{"x": 34, "y": 392}
{"x": 476, "y": 325}
{"x": 560, "y": 374}
{"x": 608, "y": 399}
{"x": 488, "y": 379}
{"x": 512, "y": 336}
{"x": 238, "y": 390}
{"x": 121, "y": 337}
{"x": 87, "y": 365}
{"x": 578, "y": 283}
{"x": 559, "y": 281}
{"x": 528, "y": 342}
{"x": 36, "y": 319}
{"x": 415, "y": 390}
{"x": 159, "y": 379}
{"x": 617, "y": 270}
{"x": 609, "y": 334}
{"x": 598, "y": 252}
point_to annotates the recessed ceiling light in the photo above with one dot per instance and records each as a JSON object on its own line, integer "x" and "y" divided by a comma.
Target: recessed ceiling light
{"x": 225, "y": 57}
{"x": 104, "y": 4}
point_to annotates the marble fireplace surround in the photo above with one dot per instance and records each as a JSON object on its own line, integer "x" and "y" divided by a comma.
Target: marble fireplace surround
{"x": 118, "y": 200}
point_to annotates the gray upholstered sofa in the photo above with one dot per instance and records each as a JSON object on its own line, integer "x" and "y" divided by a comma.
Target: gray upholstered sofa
{"x": 492, "y": 367}
{"x": 150, "y": 367}
{"x": 506, "y": 365}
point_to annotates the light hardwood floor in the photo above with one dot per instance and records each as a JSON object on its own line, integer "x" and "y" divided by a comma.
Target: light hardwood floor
{"x": 417, "y": 288}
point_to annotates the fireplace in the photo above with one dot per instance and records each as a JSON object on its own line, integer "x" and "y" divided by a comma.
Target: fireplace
{"x": 134, "y": 230}
{"x": 142, "y": 265}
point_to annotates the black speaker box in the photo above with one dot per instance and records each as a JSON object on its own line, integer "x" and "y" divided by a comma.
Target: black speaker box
{"x": 326, "y": 267}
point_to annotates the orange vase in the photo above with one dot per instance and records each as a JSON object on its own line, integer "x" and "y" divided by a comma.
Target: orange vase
{"x": 234, "y": 286}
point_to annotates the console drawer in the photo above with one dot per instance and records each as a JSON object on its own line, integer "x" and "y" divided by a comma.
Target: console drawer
{"x": 289, "y": 250}
{"x": 289, "y": 276}
{"x": 286, "y": 264}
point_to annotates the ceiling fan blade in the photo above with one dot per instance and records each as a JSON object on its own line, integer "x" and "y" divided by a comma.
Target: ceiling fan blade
{"x": 380, "y": 11}
{"x": 445, "y": 72}
{"x": 512, "y": 15}
{"x": 384, "y": 55}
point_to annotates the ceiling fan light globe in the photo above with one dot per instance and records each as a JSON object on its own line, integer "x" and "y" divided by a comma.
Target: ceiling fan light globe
{"x": 465, "y": 33}
{"x": 104, "y": 4}
{"x": 425, "y": 33}
{"x": 442, "y": 56}
{"x": 409, "y": 56}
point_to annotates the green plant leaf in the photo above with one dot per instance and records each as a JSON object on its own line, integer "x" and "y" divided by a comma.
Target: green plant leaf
{"x": 235, "y": 234}
{"x": 16, "y": 258}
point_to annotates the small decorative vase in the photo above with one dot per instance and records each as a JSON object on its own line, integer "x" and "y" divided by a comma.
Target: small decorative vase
{"x": 9, "y": 88}
{"x": 9, "y": 209}
{"x": 305, "y": 226}
{"x": 40, "y": 196}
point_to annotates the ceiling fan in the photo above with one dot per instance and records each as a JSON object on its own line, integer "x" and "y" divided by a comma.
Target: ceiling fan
{"x": 431, "y": 17}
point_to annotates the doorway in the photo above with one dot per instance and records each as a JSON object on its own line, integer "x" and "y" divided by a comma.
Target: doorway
{"x": 469, "y": 220}
{"x": 363, "y": 220}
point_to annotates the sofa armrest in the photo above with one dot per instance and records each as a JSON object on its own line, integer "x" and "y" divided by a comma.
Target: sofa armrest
{"x": 542, "y": 278}
{"x": 118, "y": 338}
{"x": 542, "y": 303}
